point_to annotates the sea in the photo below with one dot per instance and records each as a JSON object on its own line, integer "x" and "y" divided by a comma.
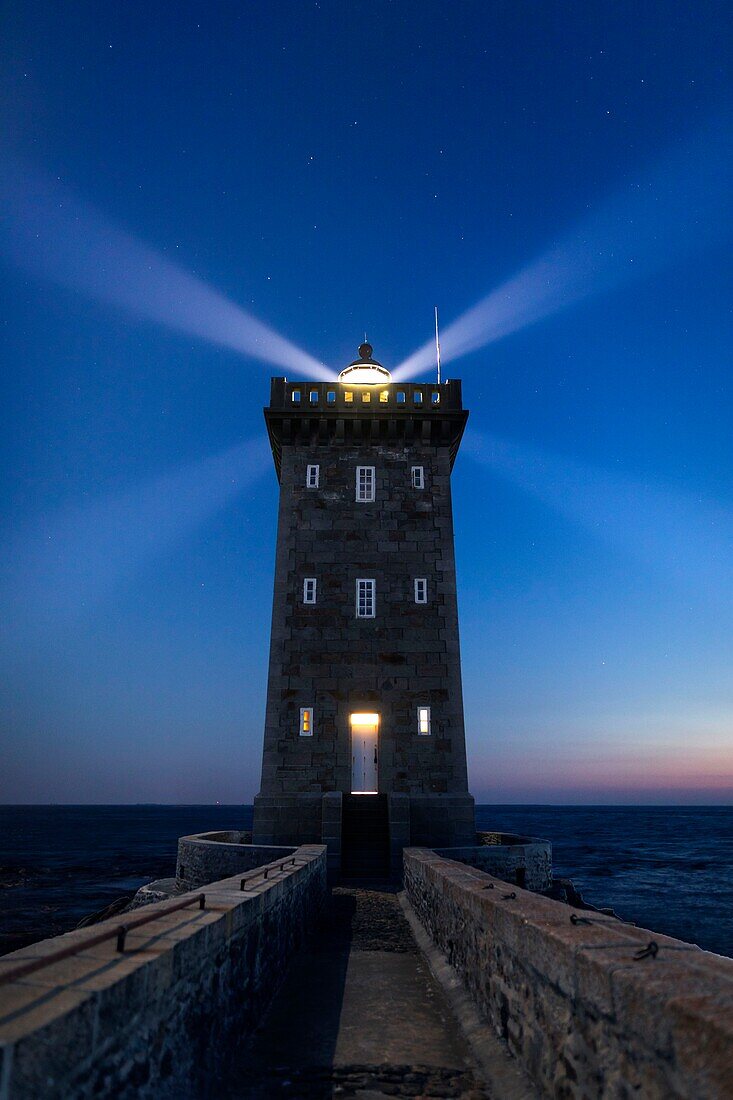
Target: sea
{"x": 669, "y": 869}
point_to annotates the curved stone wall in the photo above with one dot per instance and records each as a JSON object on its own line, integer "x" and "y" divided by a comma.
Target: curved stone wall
{"x": 206, "y": 857}
{"x": 525, "y": 861}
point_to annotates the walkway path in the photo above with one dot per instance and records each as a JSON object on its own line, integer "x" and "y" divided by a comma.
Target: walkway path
{"x": 359, "y": 1015}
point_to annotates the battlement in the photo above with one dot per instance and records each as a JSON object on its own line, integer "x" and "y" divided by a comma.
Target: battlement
{"x": 340, "y": 412}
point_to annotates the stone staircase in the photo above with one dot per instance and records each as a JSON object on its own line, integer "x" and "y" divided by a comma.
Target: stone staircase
{"x": 365, "y": 838}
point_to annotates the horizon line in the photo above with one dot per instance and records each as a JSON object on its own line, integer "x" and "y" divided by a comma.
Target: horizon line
{"x": 479, "y": 805}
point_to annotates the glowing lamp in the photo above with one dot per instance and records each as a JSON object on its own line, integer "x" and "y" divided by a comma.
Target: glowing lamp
{"x": 365, "y": 371}
{"x": 371, "y": 721}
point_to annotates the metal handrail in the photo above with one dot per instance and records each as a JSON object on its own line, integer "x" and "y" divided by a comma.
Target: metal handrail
{"x": 264, "y": 871}
{"x": 120, "y": 932}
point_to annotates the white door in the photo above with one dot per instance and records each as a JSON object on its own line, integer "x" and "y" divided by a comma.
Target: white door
{"x": 364, "y": 749}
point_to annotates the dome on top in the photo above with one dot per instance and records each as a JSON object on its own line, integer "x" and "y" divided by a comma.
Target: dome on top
{"x": 365, "y": 371}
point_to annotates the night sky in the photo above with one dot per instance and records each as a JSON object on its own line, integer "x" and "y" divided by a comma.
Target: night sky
{"x": 173, "y": 175}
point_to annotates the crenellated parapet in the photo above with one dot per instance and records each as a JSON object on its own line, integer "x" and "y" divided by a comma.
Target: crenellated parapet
{"x": 344, "y": 413}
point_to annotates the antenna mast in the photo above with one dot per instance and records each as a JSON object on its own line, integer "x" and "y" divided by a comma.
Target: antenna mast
{"x": 437, "y": 343}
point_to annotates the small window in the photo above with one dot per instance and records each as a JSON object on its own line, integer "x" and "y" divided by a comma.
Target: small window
{"x": 384, "y": 396}
{"x": 306, "y": 721}
{"x": 417, "y": 397}
{"x": 400, "y": 397}
{"x": 331, "y": 397}
{"x": 365, "y": 483}
{"x": 296, "y": 397}
{"x": 435, "y": 397}
{"x": 314, "y": 397}
{"x": 421, "y": 590}
{"x": 418, "y": 477}
{"x": 349, "y": 397}
{"x": 365, "y": 397}
{"x": 365, "y": 598}
{"x": 423, "y": 721}
{"x": 311, "y": 477}
{"x": 309, "y": 590}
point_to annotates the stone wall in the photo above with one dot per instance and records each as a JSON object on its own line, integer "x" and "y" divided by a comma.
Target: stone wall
{"x": 442, "y": 819}
{"x": 288, "y": 819}
{"x": 581, "y": 1011}
{"x": 398, "y": 818}
{"x": 331, "y": 829}
{"x": 205, "y": 857}
{"x": 158, "y": 1020}
{"x": 522, "y": 860}
{"x": 323, "y": 656}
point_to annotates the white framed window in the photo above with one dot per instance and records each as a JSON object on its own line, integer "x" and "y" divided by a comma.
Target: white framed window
{"x": 365, "y": 598}
{"x": 365, "y": 480}
{"x": 421, "y": 590}
{"x": 423, "y": 721}
{"x": 309, "y": 590}
{"x": 306, "y": 722}
{"x": 418, "y": 477}
{"x": 312, "y": 475}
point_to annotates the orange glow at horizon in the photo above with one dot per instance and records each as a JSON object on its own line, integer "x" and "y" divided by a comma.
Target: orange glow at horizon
{"x": 705, "y": 768}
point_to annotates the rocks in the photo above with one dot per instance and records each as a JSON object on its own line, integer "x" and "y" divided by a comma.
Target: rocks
{"x": 159, "y": 890}
{"x": 119, "y": 905}
{"x": 563, "y": 889}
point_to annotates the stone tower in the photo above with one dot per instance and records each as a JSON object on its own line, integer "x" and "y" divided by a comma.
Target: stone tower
{"x": 364, "y": 692}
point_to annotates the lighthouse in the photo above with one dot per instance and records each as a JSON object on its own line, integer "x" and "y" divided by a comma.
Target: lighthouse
{"x": 364, "y": 743}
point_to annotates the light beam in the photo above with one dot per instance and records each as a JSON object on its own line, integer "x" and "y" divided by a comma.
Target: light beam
{"x": 688, "y": 540}
{"x": 63, "y": 564}
{"x": 684, "y": 204}
{"x": 51, "y": 234}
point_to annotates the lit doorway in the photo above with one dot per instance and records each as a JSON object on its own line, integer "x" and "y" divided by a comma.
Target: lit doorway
{"x": 364, "y": 747}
